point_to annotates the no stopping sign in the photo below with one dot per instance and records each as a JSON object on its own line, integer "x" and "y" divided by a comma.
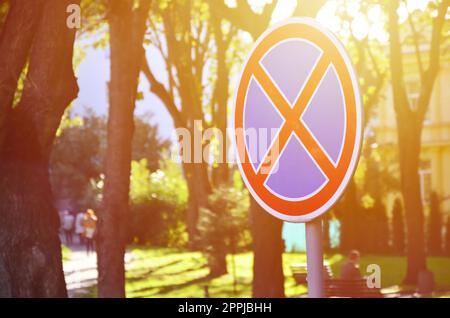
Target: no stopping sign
{"x": 298, "y": 120}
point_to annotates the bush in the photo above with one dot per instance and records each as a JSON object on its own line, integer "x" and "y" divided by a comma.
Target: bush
{"x": 158, "y": 204}
{"x": 224, "y": 226}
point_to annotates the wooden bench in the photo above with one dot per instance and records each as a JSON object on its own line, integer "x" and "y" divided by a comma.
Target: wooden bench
{"x": 354, "y": 288}
{"x": 299, "y": 272}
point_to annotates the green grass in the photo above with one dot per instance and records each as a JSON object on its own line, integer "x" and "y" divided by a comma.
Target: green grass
{"x": 66, "y": 252}
{"x": 175, "y": 273}
{"x": 393, "y": 269}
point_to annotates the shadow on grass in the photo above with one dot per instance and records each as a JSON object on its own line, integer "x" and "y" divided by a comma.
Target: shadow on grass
{"x": 169, "y": 288}
{"x": 138, "y": 274}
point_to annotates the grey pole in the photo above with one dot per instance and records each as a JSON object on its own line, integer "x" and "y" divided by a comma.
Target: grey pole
{"x": 314, "y": 256}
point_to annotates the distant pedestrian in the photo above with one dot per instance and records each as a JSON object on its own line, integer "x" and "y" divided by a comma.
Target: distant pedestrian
{"x": 79, "y": 228}
{"x": 68, "y": 224}
{"x": 350, "y": 269}
{"x": 89, "y": 224}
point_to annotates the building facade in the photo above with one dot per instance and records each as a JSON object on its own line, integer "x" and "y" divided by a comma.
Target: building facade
{"x": 435, "y": 153}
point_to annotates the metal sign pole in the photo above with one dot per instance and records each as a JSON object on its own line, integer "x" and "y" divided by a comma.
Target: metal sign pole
{"x": 314, "y": 258}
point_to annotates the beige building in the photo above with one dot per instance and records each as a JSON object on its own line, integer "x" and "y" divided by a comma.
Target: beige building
{"x": 435, "y": 155}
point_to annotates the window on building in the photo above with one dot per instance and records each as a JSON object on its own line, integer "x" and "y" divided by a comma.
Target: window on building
{"x": 413, "y": 91}
{"x": 425, "y": 181}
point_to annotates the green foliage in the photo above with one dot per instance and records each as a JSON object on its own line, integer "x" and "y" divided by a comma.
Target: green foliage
{"x": 146, "y": 142}
{"x": 223, "y": 226}
{"x": 66, "y": 252}
{"x": 78, "y": 156}
{"x": 367, "y": 201}
{"x": 68, "y": 122}
{"x": 165, "y": 184}
{"x": 76, "y": 160}
{"x": 238, "y": 184}
{"x": 93, "y": 17}
{"x": 158, "y": 204}
{"x": 20, "y": 85}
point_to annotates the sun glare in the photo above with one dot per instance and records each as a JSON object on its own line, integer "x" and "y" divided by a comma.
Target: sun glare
{"x": 283, "y": 10}
{"x": 360, "y": 27}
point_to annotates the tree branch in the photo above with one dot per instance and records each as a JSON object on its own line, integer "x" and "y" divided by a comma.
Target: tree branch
{"x": 50, "y": 84}
{"x": 401, "y": 104}
{"x": 15, "y": 42}
{"x": 159, "y": 90}
{"x": 243, "y": 16}
{"x": 53, "y": 74}
{"x": 431, "y": 73}
{"x": 308, "y": 8}
{"x": 415, "y": 36}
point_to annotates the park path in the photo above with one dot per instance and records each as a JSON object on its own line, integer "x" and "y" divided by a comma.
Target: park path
{"x": 80, "y": 271}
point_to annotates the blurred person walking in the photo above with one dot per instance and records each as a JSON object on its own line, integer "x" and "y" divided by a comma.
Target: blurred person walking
{"x": 68, "y": 223}
{"x": 79, "y": 228}
{"x": 89, "y": 224}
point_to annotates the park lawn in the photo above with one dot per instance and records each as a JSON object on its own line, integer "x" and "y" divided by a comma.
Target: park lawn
{"x": 166, "y": 272}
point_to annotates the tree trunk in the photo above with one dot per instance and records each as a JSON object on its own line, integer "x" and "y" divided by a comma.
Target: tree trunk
{"x": 15, "y": 41}
{"x": 409, "y": 127}
{"x": 268, "y": 247}
{"x": 218, "y": 265}
{"x": 127, "y": 27}
{"x": 398, "y": 228}
{"x": 348, "y": 208}
{"x": 193, "y": 207}
{"x": 30, "y": 258}
{"x": 221, "y": 172}
{"x": 199, "y": 188}
{"x": 409, "y": 135}
{"x": 326, "y": 233}
{"x": 30, "y": 249}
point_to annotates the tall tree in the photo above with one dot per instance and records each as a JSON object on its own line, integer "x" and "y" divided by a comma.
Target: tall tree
{"x": 198, "y": 67}
{"x": 30, "y": 257}
{"x": 368, "y": 59}
{"x": 268, "y": 247}
{"x": 268, "y": 278}
{"x": 410, "y": 123}
{"x": 127, "y": 26}
{"x": 182, "y": 33}
{"x": 221, "y": 95}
